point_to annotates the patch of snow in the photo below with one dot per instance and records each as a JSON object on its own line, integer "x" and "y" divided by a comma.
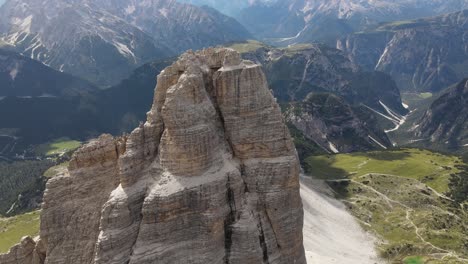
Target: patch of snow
{"x": 130, "y": 9}
{"x": 384, "y": 116}
{"x": 331, "y": 234}
{"x": 417, "y": 140}
{"x": 23, "y": 24}
{"x": 333, "y": 148}
{"x": 164, "y": 12}
{"x": 33, "y": 48}
{"x": 9, "y": 136}
{"x": 14, "y": 72}
{"x": 377, "y": 142}
{"x": 291, "y": 38}
{"x": 466, "y": 145}
{"x": 11, "y": 208}
{"x": 384, "y": 54}
{"x": 391, "y": 112}
{"x": 124, "y": 50}
{"x": 405, "y": 105}
{"x": 47, "y": 96}
{"x": 391, "y": 115}
{"x": 237, "y": 67}
{"x": 307, "y": 7}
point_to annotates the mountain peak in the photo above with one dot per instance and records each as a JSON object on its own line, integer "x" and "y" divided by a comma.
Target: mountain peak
{"x": 211, "y": 177}
{"x": 103, "y": 41}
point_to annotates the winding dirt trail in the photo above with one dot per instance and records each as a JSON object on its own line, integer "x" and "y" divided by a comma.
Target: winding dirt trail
{"x": 445, "y": 253}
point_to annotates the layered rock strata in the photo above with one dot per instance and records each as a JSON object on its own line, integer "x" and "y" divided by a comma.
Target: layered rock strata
{"x": 211, "y": 177}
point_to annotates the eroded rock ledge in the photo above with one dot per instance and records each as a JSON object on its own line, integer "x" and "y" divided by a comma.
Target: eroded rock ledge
{"x": 211, "y": 177}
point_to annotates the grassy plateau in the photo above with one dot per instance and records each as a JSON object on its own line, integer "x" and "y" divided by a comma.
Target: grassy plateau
{"x": 57, "y": 147}
{"x": 402, "y": 197}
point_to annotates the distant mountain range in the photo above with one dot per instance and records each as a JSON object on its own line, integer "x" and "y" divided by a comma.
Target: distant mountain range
{"x": 313, "y": 72}
{"x": 104, "y": 41}
{"x": 422, "y": 55}
{"x": 79, "y": 110}
{"x": 298, "y": 21}
{"x": 229, "y": 7}
{"x": 348, "y": 95}
{"x": 298, "y": 70}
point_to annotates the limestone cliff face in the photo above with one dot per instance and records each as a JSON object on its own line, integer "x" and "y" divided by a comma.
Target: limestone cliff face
{"x": 211, "y": 177}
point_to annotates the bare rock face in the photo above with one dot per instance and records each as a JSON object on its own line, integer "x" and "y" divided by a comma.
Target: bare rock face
{"x": 27, "y": 251}
{"x": 211, "y": 177}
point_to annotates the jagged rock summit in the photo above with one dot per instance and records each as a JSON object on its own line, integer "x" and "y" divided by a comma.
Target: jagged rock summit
{"x": 211, "y": 177}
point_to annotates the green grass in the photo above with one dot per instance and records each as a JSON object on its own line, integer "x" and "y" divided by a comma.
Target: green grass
{"x": 425, "y": 95}
{"x": 297, "y": 48}
{"x": 57, "y": 147}
{"x": 432, "y": 168}
{"x": 52, "y": 171}
{"x": 248, "y": 46}
{"x": 417, "y": 100}
{"x": 14, "y": 228}
{"x": 390, "y": 193}
{"x": 414, "y": 260}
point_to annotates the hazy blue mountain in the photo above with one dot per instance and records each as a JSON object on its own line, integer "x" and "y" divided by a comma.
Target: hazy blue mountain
{"x": 37, "y": 119}
{"x": 424, "y": 55}
{"x": 21, "y": 76}
{"x": 297, "y": 21}
{"x": 76, "y": 38}
{"x": 175, "y": 25}
{"x": 104, "y": 41}
{"x": 228, "y": 7}
{"x": 231, "y": 8}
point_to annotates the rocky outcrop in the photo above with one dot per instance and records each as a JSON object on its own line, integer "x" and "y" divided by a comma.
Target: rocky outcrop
{"x": 211, "y": 177}
{"x": 28, "y": 251}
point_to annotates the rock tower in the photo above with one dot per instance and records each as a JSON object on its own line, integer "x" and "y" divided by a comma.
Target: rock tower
{"x": 211, "y": 177}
